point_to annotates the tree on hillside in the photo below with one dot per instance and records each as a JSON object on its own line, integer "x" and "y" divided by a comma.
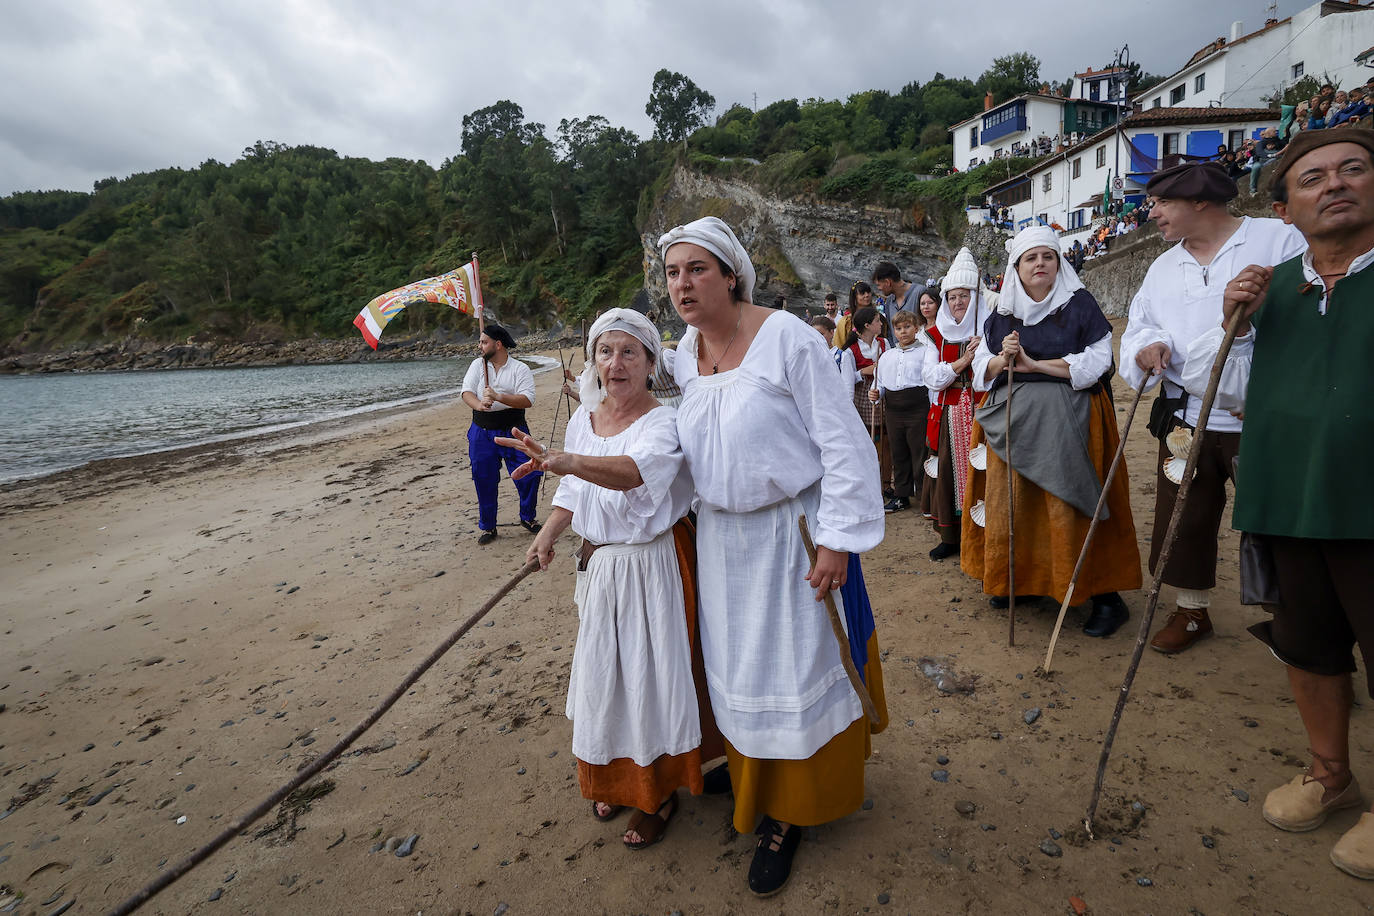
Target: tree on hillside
{"x": 677, "y": 106}
{"x": 1011, "y": 75}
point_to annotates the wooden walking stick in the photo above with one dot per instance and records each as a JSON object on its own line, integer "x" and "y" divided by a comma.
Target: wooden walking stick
{"x": 482, "y": 329}
{"x": 838, "y": 628}
{"x": 1097, "y": 517}
{"x": 166, "y": 878}
{"x": 1170, "y": 536}
{"x": 1011, "y": 524}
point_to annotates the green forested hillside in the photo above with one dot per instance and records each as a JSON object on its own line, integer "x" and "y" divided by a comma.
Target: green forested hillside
{"x": 289, "y": 242}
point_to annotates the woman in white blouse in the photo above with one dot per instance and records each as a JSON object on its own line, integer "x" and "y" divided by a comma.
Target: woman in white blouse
{"x": 637, "y": 724}
{"x": 1063, "y": 438}
{"x": 768, "y": 437}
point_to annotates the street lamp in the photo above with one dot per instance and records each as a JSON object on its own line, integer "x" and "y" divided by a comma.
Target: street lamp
{"x": 1121, "y": 63}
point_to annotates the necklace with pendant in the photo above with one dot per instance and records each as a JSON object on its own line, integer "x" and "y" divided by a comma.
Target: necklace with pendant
{"x": 715, "y": 364}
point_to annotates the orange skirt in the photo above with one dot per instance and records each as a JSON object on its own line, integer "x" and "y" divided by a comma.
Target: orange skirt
{"x": 622, "y": 781}
{"x": 825, "y": 786}
{"x": 1050, "y": 532}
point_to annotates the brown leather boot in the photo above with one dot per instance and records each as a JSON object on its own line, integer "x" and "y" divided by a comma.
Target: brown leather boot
{"x": 1183, "y": 628}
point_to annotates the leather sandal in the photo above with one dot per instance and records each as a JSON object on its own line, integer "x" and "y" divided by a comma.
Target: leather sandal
{"x": 651, "y": 827}
{"x": 771, "y": 868}
{"x": 610, "y": 814}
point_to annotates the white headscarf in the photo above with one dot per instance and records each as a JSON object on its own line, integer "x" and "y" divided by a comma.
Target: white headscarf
{"x": 713, "y": 235}
{"x": 1015, "y": 300}
{"x": 629, "y": 321}
{"x": 963, "y": 274}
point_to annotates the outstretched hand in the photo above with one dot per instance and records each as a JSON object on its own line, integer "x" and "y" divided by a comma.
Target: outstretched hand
{"x": 541, "y": 459}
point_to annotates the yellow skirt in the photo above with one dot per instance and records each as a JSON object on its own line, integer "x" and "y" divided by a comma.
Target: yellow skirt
{"x": 824, "y": 787}
{"x": 1050, "y": 532}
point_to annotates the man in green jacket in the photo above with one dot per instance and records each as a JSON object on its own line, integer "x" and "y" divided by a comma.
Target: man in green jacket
{"x": 1300, "y": 371}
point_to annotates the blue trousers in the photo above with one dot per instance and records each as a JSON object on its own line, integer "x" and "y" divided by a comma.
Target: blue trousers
{"x": 486, "y": 456}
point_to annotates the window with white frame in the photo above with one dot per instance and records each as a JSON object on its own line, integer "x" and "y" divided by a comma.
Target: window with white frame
{"x": 973, "y": 135}
{"x": 1297, "y": 70}
{"x": 1234, "y": 138}
{"x": 1047, "y": 182}
{"x": 1101, "y": 156}
{"x": 1156, "y": 102}
{"x": 1178, "y": 93}
{"x": 1170, "y": 144}
{"x": 1199, "y": 83}
{"x": 1078, "y": 167}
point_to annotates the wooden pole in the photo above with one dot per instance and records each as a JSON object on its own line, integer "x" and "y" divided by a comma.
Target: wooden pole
{"x": 838, "y": 629}
{"x": 482, "y": 329}
{"x": 1097, "y": 518}
{"x": 1011, "y": 523}
{"x": 1170, "y": 536}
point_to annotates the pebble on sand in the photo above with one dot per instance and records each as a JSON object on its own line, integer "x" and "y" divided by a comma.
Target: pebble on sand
{"x": 407, "y": 846}
{"x": 1030, "y": 715}
{"x": 1241, "y": 794}
{"x": 940, "y": 775}
{"x": 1051, "y": 848}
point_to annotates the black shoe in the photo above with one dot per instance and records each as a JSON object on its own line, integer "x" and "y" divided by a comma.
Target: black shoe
{"x": 717, "y": 782}
{"x": 486, "y": 537}
{"x": 1001, "y": 602}
{"x": 941, "y": 551}
{"x": 897, "y": 504}
{"x": 531, "y": 526}
{"x": 771, "y": 868}
{"x": 889, "y": 493}
{"x": 1109, "y": 613}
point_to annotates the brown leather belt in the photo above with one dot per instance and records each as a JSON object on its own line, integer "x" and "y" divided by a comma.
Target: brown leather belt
{"x": 584, "y": 554}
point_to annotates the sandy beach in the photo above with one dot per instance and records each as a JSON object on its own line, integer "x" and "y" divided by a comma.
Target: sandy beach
{"x": 182, "y": 632}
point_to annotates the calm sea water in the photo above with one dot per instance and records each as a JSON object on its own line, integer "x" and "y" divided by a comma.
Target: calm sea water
{"x": 60, "y": 421}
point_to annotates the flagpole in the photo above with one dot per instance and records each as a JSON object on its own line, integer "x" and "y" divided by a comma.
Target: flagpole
{"x": 482, "y": 329}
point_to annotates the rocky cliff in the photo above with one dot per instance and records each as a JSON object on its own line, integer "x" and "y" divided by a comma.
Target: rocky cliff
{"x": 801, "y": 247}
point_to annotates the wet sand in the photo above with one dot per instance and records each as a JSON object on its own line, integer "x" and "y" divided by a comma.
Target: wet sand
{"x": 181, "y": 632}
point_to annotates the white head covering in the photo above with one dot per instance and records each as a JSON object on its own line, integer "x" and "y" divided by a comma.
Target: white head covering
{"x": 713, "y": 235}
{"x": 627, "y": 320}
{"x": 1015, "y": 300}
{"x": 963, "y": 274}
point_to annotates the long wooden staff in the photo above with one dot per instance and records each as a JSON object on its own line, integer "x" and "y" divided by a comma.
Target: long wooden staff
{"x": 166, "y": 878}
{"x": 482, "y": 329}
{"x": 1011, "y": 523}
{"x": 838, "y": 628}
{"x": 1097, "y": 518}
{"x": 1170, "y": 536}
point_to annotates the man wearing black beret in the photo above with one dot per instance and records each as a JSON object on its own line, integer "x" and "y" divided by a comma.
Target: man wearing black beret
{"x": 499, "y": 390}
{"x": 1179, "y": 301}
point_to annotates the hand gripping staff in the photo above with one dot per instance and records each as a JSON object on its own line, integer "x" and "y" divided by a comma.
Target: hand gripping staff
{"x": 1152, "y": 600}
{"x": 838, "y": 629}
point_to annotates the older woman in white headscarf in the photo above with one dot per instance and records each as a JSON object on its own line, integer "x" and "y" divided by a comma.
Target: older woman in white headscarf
{"x": 947, "y": 370}
{"x": 1064, "y": 436}
{"x": 770, "y": 437}
{"x": 637, "y": 722}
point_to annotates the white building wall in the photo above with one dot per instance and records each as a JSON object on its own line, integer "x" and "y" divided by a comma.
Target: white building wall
{"x": 1043, "y": 117}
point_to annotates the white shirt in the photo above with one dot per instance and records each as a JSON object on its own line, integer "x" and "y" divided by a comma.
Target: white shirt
{"x": 901, "y": 368}
{"x": 513, "y": 378}
{"x": 1085, "y": 368}
{"x": 1235, "y": 376}
{"x": 1180, "y": 300}
{"x": 849, "y": 369}
{"x": 766, "y": 431}
{"x": 606, "y": 516}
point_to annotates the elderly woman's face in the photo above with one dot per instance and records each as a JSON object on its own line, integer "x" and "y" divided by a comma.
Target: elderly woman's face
{"x": 958, "y": 300}
{"x": 696, "y": 285}
{"x": 622, "y": 364}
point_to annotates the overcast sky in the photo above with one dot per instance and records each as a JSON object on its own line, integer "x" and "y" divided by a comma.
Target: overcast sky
{"x": 93, "y": 88}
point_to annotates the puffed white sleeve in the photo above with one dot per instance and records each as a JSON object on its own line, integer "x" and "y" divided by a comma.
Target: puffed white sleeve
{"x": 981, "y": 357}
{"x": 1087, "y": 367}
{"x": 850, "y": 517}
{"x": 1142, "y": 329}
{"x": 849, "y": 371}
{"x": 658, "y": 456}
{"x": 524, "y": 382}
{"x": 1235, "y": 375}
{"x": 472, "y": 379}
{"x": 937, "y": 375}
{"x": 569, "y": 488}
{"x": 669, "y": 357}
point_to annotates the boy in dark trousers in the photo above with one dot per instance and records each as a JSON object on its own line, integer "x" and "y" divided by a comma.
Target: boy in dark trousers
{"x": 898, "y": 383}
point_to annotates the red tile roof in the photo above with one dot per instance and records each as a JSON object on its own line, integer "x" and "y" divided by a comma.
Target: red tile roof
{"x": 1183, "y": 115}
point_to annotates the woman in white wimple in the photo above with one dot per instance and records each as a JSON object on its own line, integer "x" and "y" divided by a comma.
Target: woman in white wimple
{"x": 637, "y": 719}
{"x": 768, "y": 437}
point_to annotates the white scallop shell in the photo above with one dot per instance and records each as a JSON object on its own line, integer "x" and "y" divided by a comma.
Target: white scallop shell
{"x": 978, "y": 457}
{"x": 1173, "y": 469}
{"x": 979, "y": 514}
{"x": 1180, "y": 442}
{"x": 932, "y": 466}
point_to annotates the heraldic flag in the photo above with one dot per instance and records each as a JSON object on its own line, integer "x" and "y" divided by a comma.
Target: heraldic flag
{"x": 458, "y": 289}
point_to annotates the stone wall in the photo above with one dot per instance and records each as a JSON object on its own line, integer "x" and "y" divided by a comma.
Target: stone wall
{"x": 801, "y": 247}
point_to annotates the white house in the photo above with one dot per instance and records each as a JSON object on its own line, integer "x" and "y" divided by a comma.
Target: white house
{"x": 1105, "y": 85}
{"x": 1029, "y": 124}
{"x": 1063, "y": 190}
{"x": 1246, "y": 70}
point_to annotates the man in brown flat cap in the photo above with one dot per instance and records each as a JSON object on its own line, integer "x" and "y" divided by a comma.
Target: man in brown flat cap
{"x": 1300, "y": 370}
{"x": 1179, "y": 301}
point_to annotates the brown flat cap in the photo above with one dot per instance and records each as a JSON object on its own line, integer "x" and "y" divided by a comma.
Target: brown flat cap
{"x": 1193, "y": 181}
{"x": 1308, "y": 140}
